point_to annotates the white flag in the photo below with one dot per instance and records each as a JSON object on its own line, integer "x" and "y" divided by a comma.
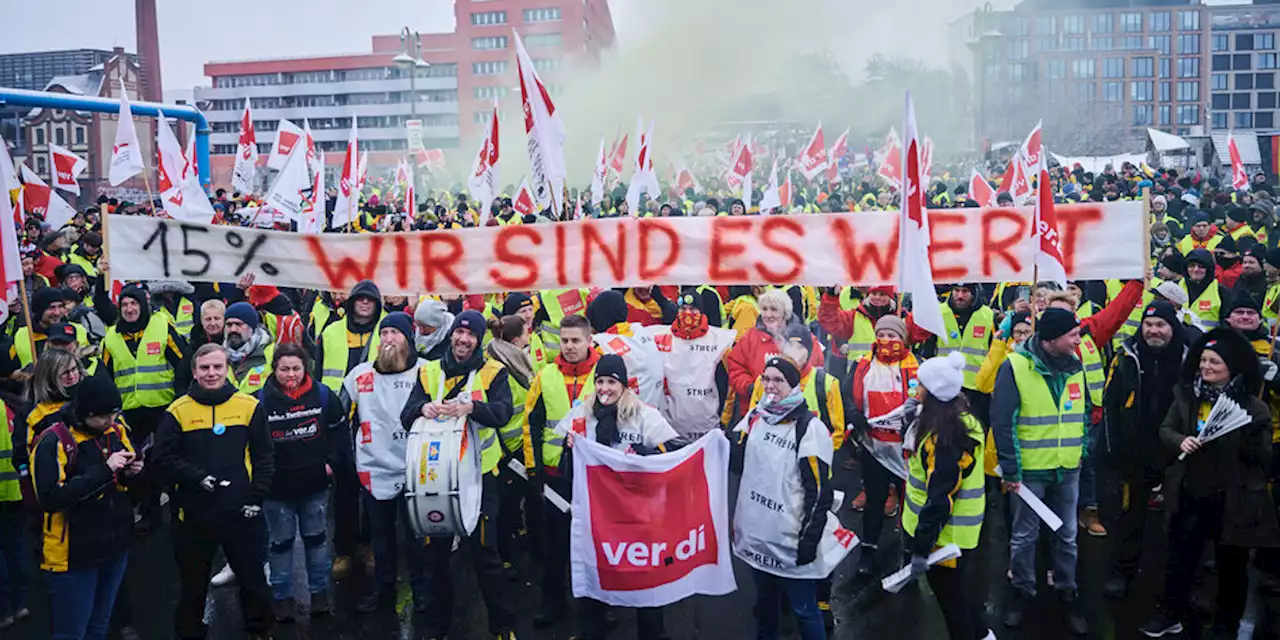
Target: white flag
{"x": 192, "y": 165}
{"x": 344, "y": 211}
{"x": 10, "y": 260}
{"x": 313, "y": 221}
{"x": 741, "y": 171}
{"x": 915, "y": 274}
{"x": 66, "y": 167}
{"x": 483, "y": 184}
{"x": 772, "y": 198}
{"x": 182, "y": 197}
{"x": 126, "y": 153}
{"x": 40, "y": 199}
{"x": 286, "y": 194}
{"x": 598, "y": 177}
{"x": 643, "y": 180}
{"x": 545, "y": 131}
{"x": 813, "y": 160}
{"x": 288, "y": 135}
{"x": 245, "y": 170}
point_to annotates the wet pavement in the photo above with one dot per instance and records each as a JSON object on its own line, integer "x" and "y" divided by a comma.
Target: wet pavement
{"x": 861, "y": 609}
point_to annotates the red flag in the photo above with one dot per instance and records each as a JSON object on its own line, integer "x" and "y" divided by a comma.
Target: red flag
{"x": 344, "y": 211}
{"x": 837, "y": 153}
{"x": 67, "y": 167}
{"x": 523, "y": 203}
{"x": 814, "y": 160}
{"x": 980, "y": 190}
{"x": 1044, "y": 233}
{"x": 619, "y": 156}
{"x": 686, "y": 180}
{"x": 1006, "y": 182}
{"x": 915, "y": 273}
{"x": 784, "y": 193}
{"x": 242, "y": 175}
{"x": 889, "y": 159}
{"x": 1239, "y": 179}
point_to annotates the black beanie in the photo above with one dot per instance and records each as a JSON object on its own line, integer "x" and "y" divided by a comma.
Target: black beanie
{"x": 1054, "y": 323}
{"x": 42, "y": 300}
{"x": 786, "y": 367}
{"x": 1228, "y": 244}
{"x": 1175, "y": 262}
{"x": 1164, "y": 310}
{"x": 1242, "y": 301}
{"x": 400, "y": 321}
{"x": 609, "y": 308}
{"x": 1235, "y": 351}
{"x": 515, "y": 302}
{"x": 1237, "y": 213}
{"x": 612, "y": 366}
{"x": 96, "y": 396}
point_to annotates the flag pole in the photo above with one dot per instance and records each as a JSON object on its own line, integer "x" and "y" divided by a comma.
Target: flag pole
{"x": 26, "y": 315}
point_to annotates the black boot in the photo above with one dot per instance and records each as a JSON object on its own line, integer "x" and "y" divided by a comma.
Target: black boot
{"x": 1015, "y": 608}
{"x": 1073, "y": 613}
{"x": 1117, "y": 586}
{"x": 867, "y": 562}
{"x": 376, "y": 599}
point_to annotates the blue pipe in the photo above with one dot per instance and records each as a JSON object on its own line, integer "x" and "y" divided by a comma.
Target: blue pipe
{"x": 49, "y": 100}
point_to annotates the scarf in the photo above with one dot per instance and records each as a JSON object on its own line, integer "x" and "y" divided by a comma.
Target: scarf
{"x": 651, "y": 307}
{"x": 890, "y": 350}
{"x": 1208, "y": 393}
{"x": 622, "y": 329}
{"x": 257, "y": 340}
{"x": 452, "y": 368}
{"x": 517, "y": 361}
{"x": 300, "y": 391}
{"x": 578, "y": 369}
{"x": 425, "y": 343}
{"x": 690, "y": 324}
{"x": 775, "y": 411}
{"x": 606, "y": 423}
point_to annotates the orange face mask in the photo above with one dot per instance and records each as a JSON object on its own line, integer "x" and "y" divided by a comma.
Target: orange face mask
{"x": 890, "y": 350}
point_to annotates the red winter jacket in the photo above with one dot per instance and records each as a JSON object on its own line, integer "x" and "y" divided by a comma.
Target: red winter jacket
{"x": 745, "y": 362}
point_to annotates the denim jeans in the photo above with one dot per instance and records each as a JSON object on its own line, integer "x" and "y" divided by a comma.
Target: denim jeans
{"x": 84, "y": 598}
{"x": 1061, "y": 497}
{"x": 800, "y": 594}
{"x": 13, "y": 573}
{"x": 285, "y": 520}
{"x": 1089, "y": 469}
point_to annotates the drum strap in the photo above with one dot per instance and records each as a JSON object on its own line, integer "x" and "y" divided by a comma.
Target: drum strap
{"x": 461, "y": 384}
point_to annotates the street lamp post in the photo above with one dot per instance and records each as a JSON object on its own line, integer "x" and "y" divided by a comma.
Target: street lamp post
{"x": 410, "y": 59}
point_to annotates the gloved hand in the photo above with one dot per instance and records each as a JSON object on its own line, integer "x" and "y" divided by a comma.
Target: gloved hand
{"x": 208, "y": 483}
{"x": 919, "y": 565}
{"x": 250, "y": 510}
{"x": 806, "y": 554}
{"x": 1269, "y": 369}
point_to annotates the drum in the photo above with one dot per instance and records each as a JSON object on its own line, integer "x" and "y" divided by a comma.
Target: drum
{"x": 442, "y": 477}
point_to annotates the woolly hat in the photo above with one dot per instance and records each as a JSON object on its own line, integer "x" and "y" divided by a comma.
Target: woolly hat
{"x": 1164, "y": 310}
{"x": 1228, "y": 244}
{"x": 96, "y": 396}
{"x": 471, "y": 321}
{"x": 1235, "y": 351}
{"x": 244, "y": 312}
{"x": 42, "y": 299}
{"x": 397, "y": 320}
{"x": 1175, "y": 262}
{"x": 943, "y": 377}
{"x": 609, "y": 308}
{"x": 892, "y": 323}
{"x": 1054, "y": 323}
{"x": 1242, "y": 301}
{"x": 515, "y": 302}
{"x": 612, "y": 366}
{"x": 785, "y": 366}
{"x": 431, "y": 313}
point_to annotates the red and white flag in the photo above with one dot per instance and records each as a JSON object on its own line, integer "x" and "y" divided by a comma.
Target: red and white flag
{"x": 741, "y": 169}
{"x": 126, "y": 153}
{"x": 1030, "y": 152}
{"x": 914, "y": 270}
{"x": 524, "y": 203}
{"x": 38, "y": 198}
{"x": 599, "y": 176}
{"x": 814, "y": 160}
{"x": 1016, "y": 182}
{"x": 287, "y": 194}
{"x": 181, "y": 196}
{"x": 643, "y": 178}
{"x": 245, "y": 170}
{"x": 67, "y": 167}
{"x": 618, "y": 158}
{"x": 1044, "y": 232}
{"x": 344, "y": 210}
{"x": 837, "y": 152}
{"x": 410, "y": 194}
{"x": 10, "y": 260}
{"x": 483, "y": 183}
{"x": 648, "y": 531}
{"x": 287, "y": 135}
{"x": 1239, "y": 178}
{"x": 926, "y": 162}
{"x": 980, "y": 190}
{"x": 685, "y": 180}
{"x": 772, "y": 197}
{"x": 313, "y": 218}
{"x": 313, "y": 154}
{"x": 889, "y": 159}
{"x": 191, "y": 165}
{"x": 545, "y": 130}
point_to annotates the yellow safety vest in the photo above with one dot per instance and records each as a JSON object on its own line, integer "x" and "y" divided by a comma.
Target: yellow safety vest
{"x": 849, "y": 299}
{"x": 556, "y": 404}
{"x": 89, "y": 267}
{"x": 319, "y": 316}
{"x": 431, "y": 376}
{"x": 1095, "y": 375}
{"x": 143, "y": 376}
{"x": 559, "y": 303}
{"x": 719, "y": 300}
{"x": 967, "y": 505}
{"x": 257, "y": 376}
{"x": 186, "y": 317}
{"x": 10, "y": 491}
{"x": 334, "y": 341}
{"x": 1188, "y": 243}
{"x": 973, "y": 345}
{"x": 22, "y": 343}
{"x": 1244, "y": 230}
{"x": 862, "y": 340}
{"x": 512, "y": 434}
{"x": 1050, "y": 434}
{"x": 1208, "y": 307}
{"x": 1269, "y": 303}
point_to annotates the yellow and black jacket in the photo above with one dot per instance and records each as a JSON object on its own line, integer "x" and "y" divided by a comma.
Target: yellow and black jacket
{"x": 86, "y": 515}
{"x": 218, "y": 433}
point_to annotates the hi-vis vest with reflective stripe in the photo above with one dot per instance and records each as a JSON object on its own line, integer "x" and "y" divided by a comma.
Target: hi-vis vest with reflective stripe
{"x": 973, "y": 344}
{"x": 9, "y": 488}
{"x": 559, "y": 303}
{"x": 849, "y": 299}
{"x": 432, "y": 376}
{"x": 255, "y": 377}
{"x": 862, "y": 340}
{"x": 512, "y": 434}
{"x": 1095, "y": 374}
{"x": 144, "y": 377}
{"x": 1049, "y": 434}
{"x": 556, "y": 403}
{"x": 334, "y": 342}
{"x": 1269, "y": 303}
{"x": 89, "y": 267}
{"x": 1188, "y": 243}
{"x": 967, "y": 505}
{"x": 23, "y": 344}
{"x": 1208, "y": 306}
{"x": 186, "y": 316}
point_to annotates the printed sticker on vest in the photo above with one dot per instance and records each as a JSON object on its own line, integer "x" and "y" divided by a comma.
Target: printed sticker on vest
{"x": 1073, "y": 391}
{"x": 153, "y": 348}
{"x": 619, "y": 346}
{"x": 477, "y": 395}
{"x": 1206, "y": 305}
{"x": 979, "y": 331}
{"x": 570, "y": 302}
{"x": 255, "y": 379}
{"x": 1089, "y": 346}
{"x": 364, "y": 382}
{"x": 366, "y": 432}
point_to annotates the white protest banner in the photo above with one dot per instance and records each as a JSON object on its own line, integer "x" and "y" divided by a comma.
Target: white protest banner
{"x": 413, "y": 134}
{"x": 648, "y": 531}
{"x": 1099, "y": 241}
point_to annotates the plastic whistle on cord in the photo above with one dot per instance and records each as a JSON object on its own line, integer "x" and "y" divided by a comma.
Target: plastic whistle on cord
{"x": 1037, "y": 505}
{"x": 895, "y": 581}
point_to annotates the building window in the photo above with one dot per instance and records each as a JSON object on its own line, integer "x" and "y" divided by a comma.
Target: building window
{"x": 80, "y": 134}
{"x": 1219, "y": 120}
{"x": 1242, "y": 101}
{"x": 42, "y": 165}
{"x": 1131, "y": 43}
{"x": 1019, "y": 27}
{"x": 1218, "y": 82}
{"x": 59, "y": 136}
{"x": 1188, "y": 114}
{"x": 486, "y": 93}
{"x": 488, "y": 18}
{"x": 1267, "y": 100}
{"x": 1188, "y": 67}
{"x": 1019, "y": 49}
{"x": 1140, "y": 91}
{"x": 1189, "y": 43}
{"x": 1188, "y": 20}
{"x": 1105, "y": 43}
{"x": 1143, "y": 67}
{"x": 1074, "y": 43}
{"x": 442, "y": 70}
{"x": 1073, "y": 24}
{"x": 550, "y": 14}
{"x": 481, "y": 117}
{"x": 1244, "y": 120}
{"x": 1131, "y": 22}
{"x": 1160, "y": 43}
{"x": 1142, "y": 115}
{"x": 1220, "y": 42}
{"x": 1266, "y": 60}
{"x": 1045, "y": 26}
{"x": 1241, "y": 62}
{"x": 543, "y": 40}
{"x": 489, "y": 43}
{"x": 1165, "y": 119}
{"x": 1082, "y": 69}
{"x": 1264, "y": 41}
{"x": 1222, "y": 63}
{"x": 1189, "y": 91}
{"x": 1165, "y": 63}
{"x": 1160, "y": 21}
{"x": 1221, "y": 101}
{"x": 1086, "y": 91}
{"x": 1244, "y": 42}
{"x": 1104, "y": 23}
{"x": 1244, "y": 81}
{"x": 543, "y": 65}
{"x": 1264, "y": 81}
{"x": 495, "y": 68}
{"x": 1113, "y": 92}
{"x": 1164, "y": 91}
{"x": 1264, "y": 119}
{"x": 1057, "y": 69}
{"x": 1113, "y": 68}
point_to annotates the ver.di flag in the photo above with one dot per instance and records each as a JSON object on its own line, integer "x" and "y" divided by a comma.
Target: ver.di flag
{"x": 834, "y": 156}
{"x": 814, "y": 158}
{"x": 598, "y": 176}
{"x": 244, "y": 171}
{"x": 38, "y": 198}
{"x": 67, "y": 167}
{"x": 126, "y": 153}
{"x": 10, "y": 261}
{"x": 344, "y": 210}
{"x": 287, "y": 135}
{"x": 545, "y": 130}
{"x": 1044, "y": 230}
{"x": 182, "y": 196}
{"x": 915, "y": 271}
{"x": 980, "y": 190}
{"x": 483, "y": 183}
{"x": 648, "y": 531}
{"x": 1239, "y": 178}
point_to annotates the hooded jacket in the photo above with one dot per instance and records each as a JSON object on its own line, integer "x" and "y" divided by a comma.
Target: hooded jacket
{"x": 175, "y": 348}
{"x": 745, "y": 362}
{"x": 1194, "y": 289}
{"x": 359, "y": 335}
